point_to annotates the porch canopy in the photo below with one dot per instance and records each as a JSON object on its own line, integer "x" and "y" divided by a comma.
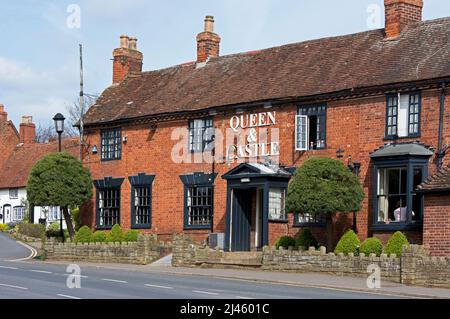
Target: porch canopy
{"x": 246, "y": 176}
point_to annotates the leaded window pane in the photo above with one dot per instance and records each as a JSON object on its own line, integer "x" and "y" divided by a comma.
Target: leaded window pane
{"x": 201, "y": 132}
{"x": 111, "y": 145}
{"x": 199, "y": 206}
{"x": 142, "y": 205}
{"x": 109, "y": 207}
{"x": 277, "y": 201}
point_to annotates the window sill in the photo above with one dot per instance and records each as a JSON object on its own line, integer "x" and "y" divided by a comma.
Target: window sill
{"x": 111, "y": 160}
{"x": 397, "y": 226}
{"x": 278, "y": 221}
{"x": 146, "y": 226}
{"x": 103, "y": 227}
{"x": 393, "y": 138}
{"x": 300, "y": 225}
{"x": 199, "y": 227}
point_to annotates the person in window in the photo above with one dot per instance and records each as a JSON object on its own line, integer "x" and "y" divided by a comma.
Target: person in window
{"x": 400, "y": 213}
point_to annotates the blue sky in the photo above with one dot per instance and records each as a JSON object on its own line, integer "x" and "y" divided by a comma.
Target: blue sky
{"x": 39, "y": 52}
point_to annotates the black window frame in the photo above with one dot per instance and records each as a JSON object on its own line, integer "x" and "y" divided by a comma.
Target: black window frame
{"x": 198, "y": 180}
{"x": 389, "y": 135}
{"x": 411, "y": 163}
{"x": 104, "y": 148}
{"x": 320, "y": 221}
{"x": 108, "y": 184}
{"x": 142, "y": 181}
{"x": 320, "y": 112}
{"x": 207, "y": 123}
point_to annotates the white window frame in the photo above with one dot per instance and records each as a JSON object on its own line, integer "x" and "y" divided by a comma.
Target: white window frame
{"x": 281, "y": 214}
{"x": 13, "y": 193}
{"x": 299, "y": 119}
{"x": 18, "y": 211}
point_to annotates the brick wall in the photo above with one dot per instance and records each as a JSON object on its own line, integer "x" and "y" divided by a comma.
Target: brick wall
{"x": 436, "y": 228}
{"x": 144, "y": 251}
{"x": 355, "y": 125}
{"x": 9, "y": 139}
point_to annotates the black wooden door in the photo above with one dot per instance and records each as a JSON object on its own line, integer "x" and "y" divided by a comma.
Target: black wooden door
{"x": 241, "y": 221}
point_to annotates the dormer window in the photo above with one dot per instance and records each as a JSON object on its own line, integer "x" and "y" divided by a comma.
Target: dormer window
{"x": 403, "y": 115}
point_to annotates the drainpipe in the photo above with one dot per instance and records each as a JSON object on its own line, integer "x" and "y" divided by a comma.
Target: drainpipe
{"x": 441, "y": 149}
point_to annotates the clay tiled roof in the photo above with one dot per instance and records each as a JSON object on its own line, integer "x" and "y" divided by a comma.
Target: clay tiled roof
{"x": 439, "y": 182}
{"x": 303, "y": 69}
{"x": 17, "y": 168}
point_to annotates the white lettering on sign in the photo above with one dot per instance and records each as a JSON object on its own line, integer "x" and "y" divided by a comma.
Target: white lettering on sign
{"x": 252, "y": 120}
{"x": 256, "y": 144}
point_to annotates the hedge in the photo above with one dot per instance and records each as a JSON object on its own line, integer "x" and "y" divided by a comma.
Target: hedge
{"x": 99, "y": 236}
{"x": 285, "y": 242}
{"x": 349, "y": 243}
{"x": 395, "y": 244}
{"x": 306, "y": 239}
{"x": 115, "y": 235}
{"x": 84, "y": 235}
{"x": 31, "y": 230}
{"x": 371, "y": 246}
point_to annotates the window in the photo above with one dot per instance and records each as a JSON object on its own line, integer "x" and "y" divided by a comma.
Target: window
{"x": 14, "y": 193}
{"x": 310, "y": 128}
{"x": 141, "y": 200}
{"x": 53, "y": 213}
{"x": 309, "y": 219}
{"x": 19, "y": 213}
{"x": 200, "y": 134}
{"x": 108, "y": 207}
{"x": 396, "y": 202}
{"x": 199, "y": 203}
{"x": 111, "y": 144}
{"x": 403, "y": 115}
{"x": 277, "y": 200}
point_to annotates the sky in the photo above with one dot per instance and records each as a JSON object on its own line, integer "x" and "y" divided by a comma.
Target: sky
{"x": 39, "y": 40}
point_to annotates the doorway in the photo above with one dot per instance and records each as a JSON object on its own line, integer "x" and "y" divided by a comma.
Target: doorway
{"x": 6, "y": 214}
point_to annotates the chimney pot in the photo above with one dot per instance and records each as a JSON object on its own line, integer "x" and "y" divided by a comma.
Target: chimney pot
{"x": 3, "y": 114}
{"x": 133, "y": 44}
{"x": 124, "y": 41}
{"x": 209, "y": 24}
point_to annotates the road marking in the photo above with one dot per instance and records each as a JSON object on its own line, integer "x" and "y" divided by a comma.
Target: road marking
{"x": 6, "y": 267}
{"x": 41, "y": 271}
{"x": 205, "y": 292}
{"x": 67, "y": 296}
{"x": 31, "y": 256}
{"x": 114, "y": 280}
{"x": 81, "y": 276}
{"x": 15, "y": 287}
{"x": 156, "y": 286}
{"x": 240, "y": 297}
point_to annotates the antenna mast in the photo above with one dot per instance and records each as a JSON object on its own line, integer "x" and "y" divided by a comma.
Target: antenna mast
{"x": 81, "y": 103}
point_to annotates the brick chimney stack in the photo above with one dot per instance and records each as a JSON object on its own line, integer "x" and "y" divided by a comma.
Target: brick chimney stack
{"x": 27, "y": 130}
{"x": 126, "y": 59}
{"x": 401, "y": 13}
{"x": 208, "y": 42}
{"x": 3, "y": 114}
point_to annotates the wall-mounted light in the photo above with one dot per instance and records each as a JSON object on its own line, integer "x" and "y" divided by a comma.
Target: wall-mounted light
{"x": 340, "y": 153}
{"x": 267, "y": 105}
{"x": 125, "y": 139}
{"x": 354, "y": 167}
{"x": 239, "y": 110}
{"x": 94, "y": 149}
{"x": 153, "y": 126}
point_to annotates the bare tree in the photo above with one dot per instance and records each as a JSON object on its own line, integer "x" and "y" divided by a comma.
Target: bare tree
{"x": 75, "y": 111}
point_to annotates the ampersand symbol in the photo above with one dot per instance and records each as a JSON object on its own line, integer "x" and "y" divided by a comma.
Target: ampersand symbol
{"x": 252, "y": 136}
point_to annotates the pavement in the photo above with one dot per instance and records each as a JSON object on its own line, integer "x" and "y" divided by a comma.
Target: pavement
{"x": 37, "y": 279}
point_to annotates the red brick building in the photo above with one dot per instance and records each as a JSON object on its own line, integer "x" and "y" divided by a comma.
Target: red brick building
{"x": 375, "y": 100}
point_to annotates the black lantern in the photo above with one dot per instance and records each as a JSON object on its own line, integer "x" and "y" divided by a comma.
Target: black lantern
{"x": 59, "y": 127}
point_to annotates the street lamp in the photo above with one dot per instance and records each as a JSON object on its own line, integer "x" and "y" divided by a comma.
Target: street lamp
{"x": 59, "y": 127}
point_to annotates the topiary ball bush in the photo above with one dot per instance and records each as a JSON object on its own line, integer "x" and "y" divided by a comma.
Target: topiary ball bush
{"x": 371, "y": 246}
{"x": 84, "y": 235}
{"x": 99, "y": 237}
{"x": 131, "y": 235}
{"x": 349, "y": 243}
{"x": 306, "y": 239}
{"x": 395, "y": 244}
{"x": 115, "y": 235}
{"x": 285, "y": 242}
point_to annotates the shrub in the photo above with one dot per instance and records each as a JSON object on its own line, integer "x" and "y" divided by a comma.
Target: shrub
{"x": 349, "y": 243}
{"x": 131, "y": 235}
{"x": 115, "y": 235}
{"x": 84, "y": 235}
{"x": 395, "y": 244}
{"x": 306, "y": 239}
{"x": 76, "y": 219}
{"x": 371, "y": 246}
{"x": 285, "y": 242}
{"x": 99, "y": 237}
{"x": 31, "y": 230}
{"x": 53, "y": 230}
{"x": 3, "y": 228}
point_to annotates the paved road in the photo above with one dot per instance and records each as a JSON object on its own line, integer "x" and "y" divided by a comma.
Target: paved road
{"x": 10, "y": 249}
{"x": 35, "y": 280}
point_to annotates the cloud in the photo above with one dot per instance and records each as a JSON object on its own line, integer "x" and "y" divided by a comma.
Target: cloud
{"x": 12, "y": 73}
{"x": 113, "y": 9}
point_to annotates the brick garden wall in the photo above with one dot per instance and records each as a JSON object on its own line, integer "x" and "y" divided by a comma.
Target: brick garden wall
{"x": 436, "y": 226}
{"x": 415, "y": 267}
{"x": 144, "y": 251}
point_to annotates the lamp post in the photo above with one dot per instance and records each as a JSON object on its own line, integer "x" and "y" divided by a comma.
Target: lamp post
{"x": 59, "y": 127}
